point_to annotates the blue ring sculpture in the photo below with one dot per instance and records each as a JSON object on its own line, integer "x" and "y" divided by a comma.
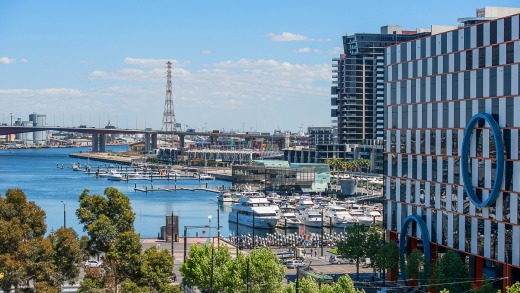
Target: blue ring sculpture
{"x": 426, "y": 244}
{"x": 499, "y": 172}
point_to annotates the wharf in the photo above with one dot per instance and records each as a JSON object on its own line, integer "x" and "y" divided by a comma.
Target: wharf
{"x": 106, "y": 157}
{"x": 151, "y": 189}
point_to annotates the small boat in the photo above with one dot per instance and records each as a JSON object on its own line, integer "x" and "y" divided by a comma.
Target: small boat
{"x": 227, "y": 196}
{"x": 206, "y": 177}
{"x": 311, "y": 218}
{"x": 76, "y": 167}
{"x": 114, "y": 176}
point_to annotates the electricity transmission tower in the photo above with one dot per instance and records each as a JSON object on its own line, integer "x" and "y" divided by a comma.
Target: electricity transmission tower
{"x": 168, "y": 122}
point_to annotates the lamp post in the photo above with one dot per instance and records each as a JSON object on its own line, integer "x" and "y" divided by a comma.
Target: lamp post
{"x": 64, "y": 215}
{"x": 321, "y": 242}
{"x": 172, "y": 240}
{"x": 11, "y": 119}
{"x": 209, "y": 234}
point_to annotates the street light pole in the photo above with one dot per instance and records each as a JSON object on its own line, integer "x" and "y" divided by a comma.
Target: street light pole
{"x": 321, "y": 242}
{"x": 185, "y": 242}
{"x": 218, "y": 226}
{"x": 64, "y": 215}
{"x": 172, "y": 241}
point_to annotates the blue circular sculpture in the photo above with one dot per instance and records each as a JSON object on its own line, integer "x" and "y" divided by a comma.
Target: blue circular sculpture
{"x": 426, "y": 244}
{"x": 499, "y": 172}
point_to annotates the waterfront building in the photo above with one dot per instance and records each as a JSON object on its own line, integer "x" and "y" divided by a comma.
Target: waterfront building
{"x": 358, "y": 78}
{"x": 27, "y": 137}
{"x": 320, "y": 135}
{"x": 280, "y": 176}
{"x": 319, "y": 153}
{"x": 452, "y": 146}
{"x": 39, "y": 137}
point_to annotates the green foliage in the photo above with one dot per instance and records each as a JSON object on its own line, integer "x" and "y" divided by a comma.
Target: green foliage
{"x": 156, "y": 268}
{"x": 109, "y": 224}
{"x": 387, "y": 258}
{"x": 230, "y": 275}
{"x": 343, "y": 285}
{"x": 515, "y": 288}
{"x": 104, "y": 218}
{"x": 266, "y": 274}
{"x": 449, "y": 270}
{"x": 414, "y": 265}
{"x": 67, "y": 254}
{"x": 355, "y": 244}
{"x": 486, "y": 287}
{"x": 25, "y": 255}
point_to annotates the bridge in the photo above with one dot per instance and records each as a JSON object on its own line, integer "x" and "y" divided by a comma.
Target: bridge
{"x": 150, "y": 136}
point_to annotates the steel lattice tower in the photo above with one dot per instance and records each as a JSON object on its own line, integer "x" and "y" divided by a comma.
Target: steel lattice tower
{"x": 168, "y": 122}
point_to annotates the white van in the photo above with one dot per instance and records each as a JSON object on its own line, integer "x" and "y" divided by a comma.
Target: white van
{"x": 293, "y": 263}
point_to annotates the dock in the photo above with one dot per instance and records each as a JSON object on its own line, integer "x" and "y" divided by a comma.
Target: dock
{"x": 152, "y": 189}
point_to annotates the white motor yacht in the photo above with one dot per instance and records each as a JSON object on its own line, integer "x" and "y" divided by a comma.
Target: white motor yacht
{"x": 227, "y": 196}
{"x": 311, "y": 218}
{"x": 254, "y": 212}
{"x": 114, "y": 176}
{"x": 304, "y": 203}
{"x": 288, "y": 219}
{"x": 338, "y": 216}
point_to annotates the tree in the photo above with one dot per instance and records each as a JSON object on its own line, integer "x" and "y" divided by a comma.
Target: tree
{"x": 514, "y": 289}
{"x": 343, "y": 285}
{"x": 355, "y": 244}
{"x": 196, "y": 270}
{"x": 485, "y": 287}
{"x": 25, "y": 255}
{"x": 414, "y": 265}
{"x": 67, "y": 255}
{"x": 156, "y": 268}
{"x": 104, "y": 218}
{"x": 449, "y": 271}
{"x": 265, "y": 274}
{"x": 387, "y": 258}
{"x": 109, "y": 222}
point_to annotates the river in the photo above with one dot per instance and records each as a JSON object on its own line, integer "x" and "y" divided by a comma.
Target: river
{"x": 34, "y": 171}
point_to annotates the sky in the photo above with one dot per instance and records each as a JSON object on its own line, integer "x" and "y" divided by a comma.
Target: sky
{"x": 242, "y": 65}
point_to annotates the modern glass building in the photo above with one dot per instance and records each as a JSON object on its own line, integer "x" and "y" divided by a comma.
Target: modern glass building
{"x": 358, "y": 90}
{"x": 452, "y": 170}
{"x": 280, "y": 176}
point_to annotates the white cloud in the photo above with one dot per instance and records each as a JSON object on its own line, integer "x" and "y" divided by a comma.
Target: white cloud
{"x": 336, "y": 51}
{"x": 287, "y": 37}
{"x": 206, "y": 52}
{"x": 154, "y": 62}
{"x": 39, "y": 92}
{"x": 24, "y": 60}
{"x": 83, "y": 62}
{"x": 7, "y": 60}
{"x": 308, "y": 50}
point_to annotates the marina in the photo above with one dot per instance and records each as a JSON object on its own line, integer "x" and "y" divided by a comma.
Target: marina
{"x": 54, "y": 180}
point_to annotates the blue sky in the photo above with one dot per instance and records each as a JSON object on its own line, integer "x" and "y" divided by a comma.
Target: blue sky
{"x": 258, "y": 65}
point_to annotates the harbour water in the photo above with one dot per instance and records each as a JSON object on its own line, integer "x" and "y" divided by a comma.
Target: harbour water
{"x": 34, "y": 171}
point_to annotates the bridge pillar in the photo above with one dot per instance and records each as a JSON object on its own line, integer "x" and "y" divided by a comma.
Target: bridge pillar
{"x": 154, "y": 141}
{"x": 147, "y": 142}
{"x": 182, "y": 142}
{"x": 95, "y": 143}
{"x": 102, "y": 142}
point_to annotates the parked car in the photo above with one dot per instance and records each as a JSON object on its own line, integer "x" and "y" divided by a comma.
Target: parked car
{"x": 338, "y": 259}
{"x": 93, "y": 264}
{"x": 293, "y": 263}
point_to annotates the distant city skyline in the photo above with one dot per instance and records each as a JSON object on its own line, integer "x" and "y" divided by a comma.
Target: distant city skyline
{"x": 252, "y": 66}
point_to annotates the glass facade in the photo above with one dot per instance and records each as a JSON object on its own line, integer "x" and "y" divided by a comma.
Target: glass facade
{"x": 433, "y": 87}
